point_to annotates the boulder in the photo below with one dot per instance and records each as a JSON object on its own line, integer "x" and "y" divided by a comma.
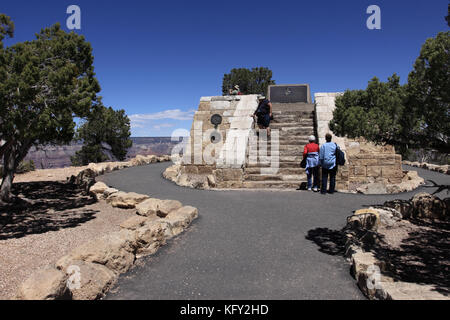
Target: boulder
{"x": 171, "y": 172}
{"x": 181, "y": 218}
{"x": 149, "y": 238}
{"x": 86, "y": 280}
{"x": 135, "y": 222}
{"x": 148, "y": 207}
{"x": 156, "y": 207}
{"x": 85, "y": 179}
{"x": 388, "y": 217}
{"x": 115, "y": 251}
{"x": 196, "y": 181}
{"x": 108, "y": 192}
{"x": 367, "y": 219}
{"x": 404, "y": 207}
{"x": 139, "y": 161}
{"x": 428, "y": 206}
{"x": 45, "y": 284}
{"x": 167, "y": 206}
{"x": 126, "y": 200}
{"x": 98, "y": 189}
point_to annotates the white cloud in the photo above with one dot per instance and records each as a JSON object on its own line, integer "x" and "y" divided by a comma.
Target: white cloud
{"x": 175, "y": 114}
{"x": 163, "y": 125}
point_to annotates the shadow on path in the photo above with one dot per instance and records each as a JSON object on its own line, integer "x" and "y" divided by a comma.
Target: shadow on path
{"x": 329, "y": 241}
{"x": 49, "y": 206}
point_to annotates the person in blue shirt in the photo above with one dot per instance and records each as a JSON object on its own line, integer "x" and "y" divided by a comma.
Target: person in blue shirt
{"x": 327, "y": 160}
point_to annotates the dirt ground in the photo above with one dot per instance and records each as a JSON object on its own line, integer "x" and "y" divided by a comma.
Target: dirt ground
{"x": 417, "y": 251}
{"x": 55, "y": 218}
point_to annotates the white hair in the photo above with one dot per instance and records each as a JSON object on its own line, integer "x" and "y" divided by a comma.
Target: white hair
{"x": 312, "y": 138}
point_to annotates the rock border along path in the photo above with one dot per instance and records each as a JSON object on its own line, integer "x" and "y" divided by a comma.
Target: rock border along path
{"x": 248, "y": 245}
{"x": 90, "y": 270}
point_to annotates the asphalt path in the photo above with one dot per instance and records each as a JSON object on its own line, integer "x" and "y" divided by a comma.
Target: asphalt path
{"x": 249, "y": 244}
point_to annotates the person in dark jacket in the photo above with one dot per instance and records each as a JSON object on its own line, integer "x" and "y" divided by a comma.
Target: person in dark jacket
{"x": 263, "y": 114}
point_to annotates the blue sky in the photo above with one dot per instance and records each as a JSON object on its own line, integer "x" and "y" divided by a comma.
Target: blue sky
{"x": 155, "y": 59}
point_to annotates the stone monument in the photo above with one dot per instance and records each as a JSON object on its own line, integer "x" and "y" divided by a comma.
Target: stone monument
{"x": 223, "y": 150}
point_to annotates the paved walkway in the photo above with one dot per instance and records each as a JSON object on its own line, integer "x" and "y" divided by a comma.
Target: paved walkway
{"x": 248, "y": 244}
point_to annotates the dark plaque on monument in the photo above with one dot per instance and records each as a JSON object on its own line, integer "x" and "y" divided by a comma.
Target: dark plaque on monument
{"x": 295, "y": 93}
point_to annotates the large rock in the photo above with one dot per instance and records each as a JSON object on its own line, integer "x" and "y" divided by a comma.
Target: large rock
{"x": 156, "y": 207}
{"x": 171, "y": 172}
{"x": 108, "y": 192}
{"x": 196, "y": 181}
{"x": 149, "y": 238}
{"x": 45, "y": 284}
{"x": 428, "y": 206}
{"x": 139, "y": 161}
{"x": 167, "y": 206}
{"x": 86, "y": 280}
{"x": 115, "y": 250}
{"x": 181, "y": 219}
{"x": 404, "y": 207}
{"x": 135, "y": 222}
{"x": 367, "y": 219}
{"x": 126, "y": 200}
{"x": 98, "y": 189}
{"x": 85, "y": 179}
{"x": 148, "y": 207}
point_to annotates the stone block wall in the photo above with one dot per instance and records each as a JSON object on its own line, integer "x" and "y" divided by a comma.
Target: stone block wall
{"x": 369, "y": 168}
{"x": 220, "y": 163}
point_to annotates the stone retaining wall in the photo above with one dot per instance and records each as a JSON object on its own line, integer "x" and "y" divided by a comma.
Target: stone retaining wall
{"x": 433, "y": 167}
{"x": 373, "y": 274}
{"x": 90, "y": 270}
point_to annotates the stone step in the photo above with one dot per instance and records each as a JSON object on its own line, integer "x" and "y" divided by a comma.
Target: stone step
{"x": 269, "y": 152}
{"x": 291, "y": 141}
{"x": 284, "y": 171}
{"x": 274, "y": 177}
{"x": 300, "y": 114}
{"x": 298, "y": 123}
{"x": 272, "y": 184}
{"x": 304, "y": 107}
{"x": 297, "y": 128}
{"x": 281, "y": 164}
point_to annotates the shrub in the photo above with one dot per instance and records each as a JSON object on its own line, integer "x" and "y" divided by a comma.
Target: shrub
{"x": 26, "y": 166}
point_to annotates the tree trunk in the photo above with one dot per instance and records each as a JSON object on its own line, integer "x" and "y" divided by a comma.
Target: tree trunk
{"x": 9, "y": 167}
{"x": 11, "y": 159}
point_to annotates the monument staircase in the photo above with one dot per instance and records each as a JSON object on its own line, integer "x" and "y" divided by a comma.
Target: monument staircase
{"x": 295, "y": 123}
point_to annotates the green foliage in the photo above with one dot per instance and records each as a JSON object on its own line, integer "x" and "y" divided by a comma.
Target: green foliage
{"x": 26, "y": 166}
{"x": 413, "y": 116}
{"x": 429, "y": 92}
{"x": 103, "y": 125}
{"x": 44, "y": 84}
{"x": 254, "y": 81}
{"x": 6, "y": 28}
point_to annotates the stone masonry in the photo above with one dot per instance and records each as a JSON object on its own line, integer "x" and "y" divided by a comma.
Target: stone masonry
{"x": 228, "y": 154}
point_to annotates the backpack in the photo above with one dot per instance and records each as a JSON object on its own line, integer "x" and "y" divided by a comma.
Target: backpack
{"x": 263, "y": 108}
{"x": 340, "y": 156}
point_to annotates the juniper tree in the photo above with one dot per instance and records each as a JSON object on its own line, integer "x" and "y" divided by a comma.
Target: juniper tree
{"x": 103, "y": 126}
{"x": 412, "y": 116}
{"x": 254, "y": 81}
{"x": 44, "y": 84}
